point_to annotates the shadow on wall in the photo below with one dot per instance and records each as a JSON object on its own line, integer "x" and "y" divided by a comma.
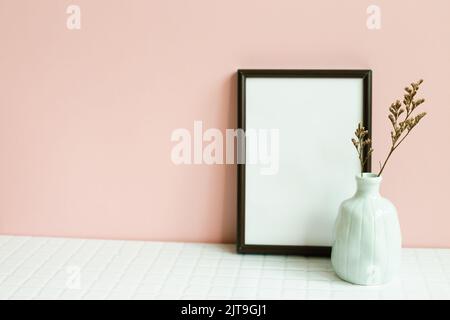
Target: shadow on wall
{"x": 229, "y": 213}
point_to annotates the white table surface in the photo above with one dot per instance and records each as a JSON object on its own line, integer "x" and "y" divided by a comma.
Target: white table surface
{"x": 57, "y": 268}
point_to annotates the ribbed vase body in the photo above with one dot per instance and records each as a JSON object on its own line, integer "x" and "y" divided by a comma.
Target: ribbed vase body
{"x": 367, "y": 245}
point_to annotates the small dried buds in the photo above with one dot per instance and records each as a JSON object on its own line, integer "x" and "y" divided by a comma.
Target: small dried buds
{"x": 402, "y": 127}
{"x": 402, "y": 121}
{"x": 362, "y": 143}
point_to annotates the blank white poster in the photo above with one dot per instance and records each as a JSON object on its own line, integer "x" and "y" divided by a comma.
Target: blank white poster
{"x": 317, "y": 163}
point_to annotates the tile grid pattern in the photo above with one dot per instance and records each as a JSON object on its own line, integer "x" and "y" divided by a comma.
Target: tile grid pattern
{"x": 56, "y": 268}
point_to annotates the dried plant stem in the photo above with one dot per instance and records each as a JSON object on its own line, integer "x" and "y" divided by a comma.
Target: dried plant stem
{"x": 390, "y": 153}
{"x": 363, "y": 142}
{"x": 402, "y": 128}
{"x": 402, "y": 120}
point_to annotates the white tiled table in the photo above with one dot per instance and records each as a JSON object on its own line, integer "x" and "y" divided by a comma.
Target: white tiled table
{"x": 56, "y": 268}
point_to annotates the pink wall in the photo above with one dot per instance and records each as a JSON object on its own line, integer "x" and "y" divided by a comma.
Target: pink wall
{"x": 86, "y": 116}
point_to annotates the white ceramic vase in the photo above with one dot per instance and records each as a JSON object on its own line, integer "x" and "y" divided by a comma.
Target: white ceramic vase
{"x": 367, "y": 238}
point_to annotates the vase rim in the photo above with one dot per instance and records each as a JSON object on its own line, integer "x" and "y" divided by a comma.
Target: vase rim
{"x": 369, "y": 176}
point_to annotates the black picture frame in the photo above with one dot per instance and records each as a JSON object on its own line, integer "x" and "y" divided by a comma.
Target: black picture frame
{"x": 242, "y": 76}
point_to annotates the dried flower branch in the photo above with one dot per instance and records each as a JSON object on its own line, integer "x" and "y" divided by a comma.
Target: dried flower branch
{"x": 402, "y": 128}
{"x": 361, "y": 143}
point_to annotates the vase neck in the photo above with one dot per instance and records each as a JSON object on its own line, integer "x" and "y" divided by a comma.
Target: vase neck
{"x": 368, "y": 185}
